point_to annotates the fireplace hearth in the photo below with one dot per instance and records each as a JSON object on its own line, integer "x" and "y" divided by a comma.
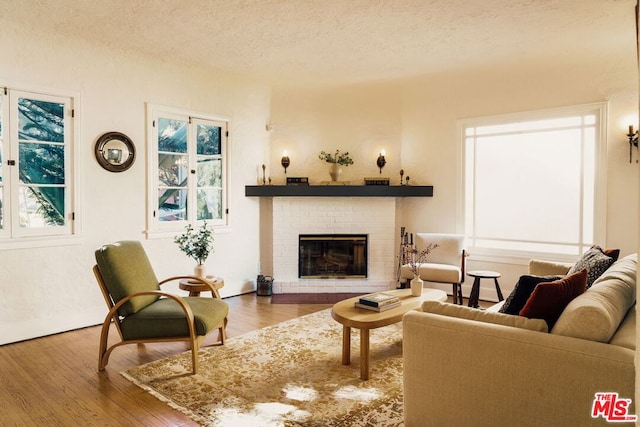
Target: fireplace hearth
{"x": 332, "y": 256}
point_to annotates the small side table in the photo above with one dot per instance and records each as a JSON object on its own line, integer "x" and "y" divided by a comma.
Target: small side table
{"x": 194, "y": 287}
{"x": 475, "y": 290}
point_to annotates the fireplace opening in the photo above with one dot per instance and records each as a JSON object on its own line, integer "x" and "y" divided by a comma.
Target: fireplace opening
{"x": 332, "y": 256}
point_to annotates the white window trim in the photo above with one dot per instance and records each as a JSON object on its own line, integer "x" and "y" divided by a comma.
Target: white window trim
{"x": 76, "y": 237}
{"x": 169, "y": 229}
{"x": 600, "y": 187}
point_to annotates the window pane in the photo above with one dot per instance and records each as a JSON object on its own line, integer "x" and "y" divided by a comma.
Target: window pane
{"x": 187, "y": 169}
{"x": 209, "y": 172}
{"x": 529, "y": 180}
{"x": 1, "y": 159}
{"x": 209, "y": 204}
{"x": 173, "y": 170}
{"x": 589, "y": 198}
{"x": 530, "y": 185}
{"x": 41, "y": 206}
{"x": 41, "y": 163}
{"x": 172, "y": 136}
{"x": 172, "y": 204}
{"x": 40, "y": 120}
{"x": 208, "y": 140}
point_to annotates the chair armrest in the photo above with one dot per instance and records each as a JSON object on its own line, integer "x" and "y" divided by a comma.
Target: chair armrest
{"x": 185, "y": 307}
{"x": 519, "y": 377}
{"x": 538, "y": 267}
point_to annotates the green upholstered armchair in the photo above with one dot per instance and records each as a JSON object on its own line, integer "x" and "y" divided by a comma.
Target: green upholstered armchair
{"x": 142, "y": 312}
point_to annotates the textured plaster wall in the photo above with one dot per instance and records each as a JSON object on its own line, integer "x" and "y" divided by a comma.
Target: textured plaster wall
{"x": 51, "y": 289}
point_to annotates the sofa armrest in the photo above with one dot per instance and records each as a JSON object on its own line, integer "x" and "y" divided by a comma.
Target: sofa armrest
{"x": 538, "y": 267}
{"x": 464, "y": 372}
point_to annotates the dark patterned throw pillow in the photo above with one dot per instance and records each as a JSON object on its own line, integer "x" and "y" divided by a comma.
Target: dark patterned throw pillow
{"x": 595, "y": 261}
{"x": 521, "y": 292}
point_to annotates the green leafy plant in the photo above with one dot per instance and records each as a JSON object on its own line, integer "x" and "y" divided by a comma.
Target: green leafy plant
{"x": 339, "y": 158}
{"x": 196, "y": 244}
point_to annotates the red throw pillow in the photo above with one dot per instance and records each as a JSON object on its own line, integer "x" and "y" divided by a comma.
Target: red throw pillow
{"x": 548, "y": 299}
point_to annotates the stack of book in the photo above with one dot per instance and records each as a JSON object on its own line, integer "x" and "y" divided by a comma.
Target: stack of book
{"x": 379, "y": 301}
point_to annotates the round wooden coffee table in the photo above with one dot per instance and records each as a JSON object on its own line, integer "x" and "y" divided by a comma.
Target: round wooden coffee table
{"x": 345, "y": 313}
{"x": 194, "y": 287}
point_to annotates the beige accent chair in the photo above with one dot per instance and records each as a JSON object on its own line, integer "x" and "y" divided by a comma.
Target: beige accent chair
{"x": 445, "y": 264}
{"x": 142, "y": 313}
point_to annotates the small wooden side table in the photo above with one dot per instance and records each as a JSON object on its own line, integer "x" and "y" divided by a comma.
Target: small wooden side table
{"x": 475, "y": 290}
{"x": 194, "y": 287}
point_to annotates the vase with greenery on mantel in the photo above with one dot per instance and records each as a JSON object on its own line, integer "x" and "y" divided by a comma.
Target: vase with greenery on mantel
{"x": 416, "y": 260}
{"x": 336, "y": 160}
{"x": 197, "y": 245}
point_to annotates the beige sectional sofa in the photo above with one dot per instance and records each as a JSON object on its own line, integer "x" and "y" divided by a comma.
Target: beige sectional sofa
{"x": 469, "y": 367}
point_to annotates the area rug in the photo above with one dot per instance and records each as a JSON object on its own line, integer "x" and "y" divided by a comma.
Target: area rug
{"x": 311, "y": 298}
{"x": 289, "y": 374}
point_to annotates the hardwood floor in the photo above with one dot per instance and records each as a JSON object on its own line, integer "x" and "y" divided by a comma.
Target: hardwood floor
{"x": 54, "y": 381}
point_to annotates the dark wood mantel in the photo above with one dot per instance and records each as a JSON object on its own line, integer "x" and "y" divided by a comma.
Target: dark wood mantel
{"x": 339, "y": 190}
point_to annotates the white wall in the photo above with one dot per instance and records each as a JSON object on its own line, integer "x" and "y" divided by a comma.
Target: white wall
{"x": 425, "y": 144}
{"x": 52, "y": 289}
{"x": 361, "y": 120}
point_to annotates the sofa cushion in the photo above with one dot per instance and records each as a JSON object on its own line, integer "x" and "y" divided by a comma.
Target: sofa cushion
{"x": 549, "y": 299}
{"x": 595, "y": 261}
{"x": 463, "y": 312}
{"x": 625, "y": 335}
{"x": 544, "y": 268}
{"x": 522, "y": 291}
{"x": 596, "y": 314}
{"x": 166, "y": 318}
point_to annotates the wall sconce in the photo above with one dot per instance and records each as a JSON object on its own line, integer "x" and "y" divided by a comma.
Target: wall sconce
{"x": 633, "y": 141}
{"x": 285, "y": 161}
{"x": 381, "y": 161}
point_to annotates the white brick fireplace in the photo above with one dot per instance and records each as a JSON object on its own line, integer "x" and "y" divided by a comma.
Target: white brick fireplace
{"x": 374, "y": 216}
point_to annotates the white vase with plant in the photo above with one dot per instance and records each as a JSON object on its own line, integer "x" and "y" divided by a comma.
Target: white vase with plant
{"x": 336, "y": 160}
{"x": 417, "y": 259}
{"x": 197, "y": 245}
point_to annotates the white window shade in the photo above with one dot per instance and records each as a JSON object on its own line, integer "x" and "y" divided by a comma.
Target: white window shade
{"x": 530, "y": 181}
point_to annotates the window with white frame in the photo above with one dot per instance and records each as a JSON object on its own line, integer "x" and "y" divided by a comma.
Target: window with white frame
{"x": 36, "y": 172}
{"x": 187, "y": 156}
{"x": 533, "y": 182}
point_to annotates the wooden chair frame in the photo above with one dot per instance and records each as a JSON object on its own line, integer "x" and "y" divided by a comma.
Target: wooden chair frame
{"x": 457, "y": 287}
{"x": 194, "y": 340}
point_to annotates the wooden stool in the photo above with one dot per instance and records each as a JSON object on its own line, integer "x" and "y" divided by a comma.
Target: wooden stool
{"x": 475, "y": 290}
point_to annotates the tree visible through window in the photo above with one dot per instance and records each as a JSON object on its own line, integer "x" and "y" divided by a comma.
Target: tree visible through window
{"x": 35, "y": 150}
{"x": 189, "y": 169}
{"x": 531, "y": 181}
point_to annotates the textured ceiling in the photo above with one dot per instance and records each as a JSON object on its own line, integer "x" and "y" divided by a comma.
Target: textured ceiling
{"x": 342, "y": 41}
